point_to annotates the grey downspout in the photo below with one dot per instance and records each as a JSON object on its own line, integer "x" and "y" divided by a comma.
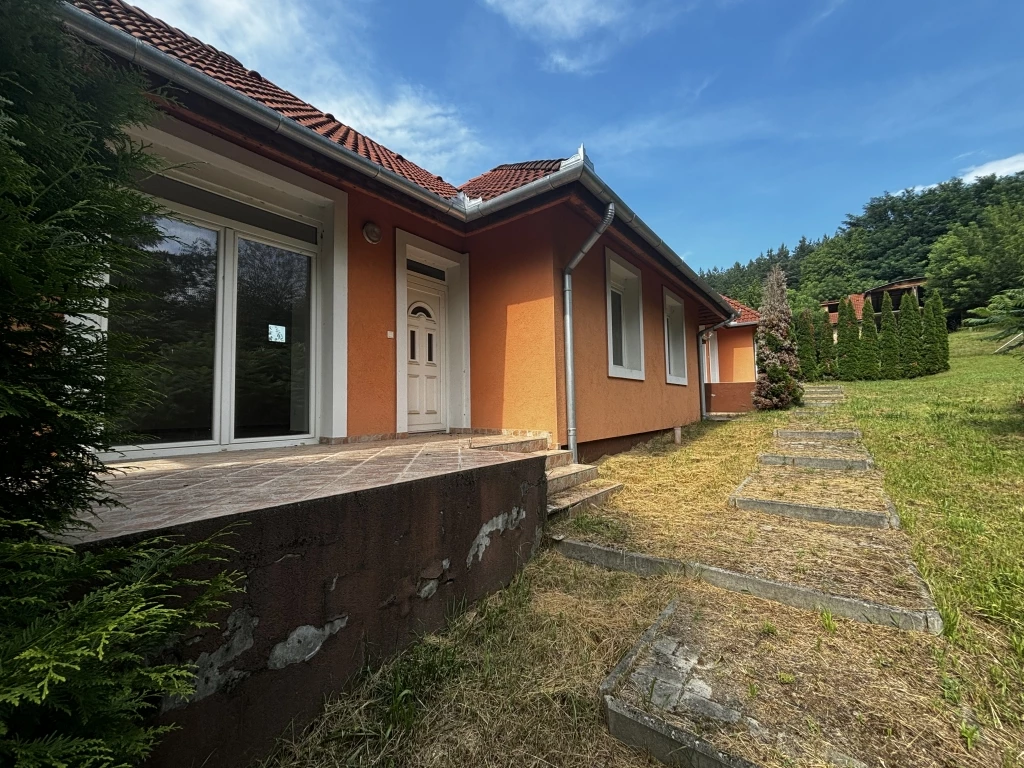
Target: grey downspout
{"x": 703, "y": 337}
{"x": 570, "y": 365}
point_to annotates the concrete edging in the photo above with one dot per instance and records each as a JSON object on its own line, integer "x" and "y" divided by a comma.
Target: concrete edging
{"x": 819, "y": 434}
{"x": 813, "y": 462}
{"x": 833, "y": 515}
{"x": 610, "y": 683}
{"x": 806, "y": 598}
{"x": 666, "y": 743}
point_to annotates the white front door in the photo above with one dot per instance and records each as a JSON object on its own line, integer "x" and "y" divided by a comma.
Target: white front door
{"x": 425, "y": 337}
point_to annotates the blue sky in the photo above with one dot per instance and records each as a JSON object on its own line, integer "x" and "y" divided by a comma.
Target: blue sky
{"x": 728, "y": 125}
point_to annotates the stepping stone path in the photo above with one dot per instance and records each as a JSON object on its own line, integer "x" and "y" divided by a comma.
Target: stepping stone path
{"x": 679, "y": 687}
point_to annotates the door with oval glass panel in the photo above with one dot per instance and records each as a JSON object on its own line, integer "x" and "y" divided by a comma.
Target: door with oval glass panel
{"x": 425, "y": 338}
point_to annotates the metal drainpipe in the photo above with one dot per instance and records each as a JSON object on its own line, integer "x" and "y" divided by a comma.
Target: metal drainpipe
{"x": 570, "y": 365}
{"x": 703, "y": 337}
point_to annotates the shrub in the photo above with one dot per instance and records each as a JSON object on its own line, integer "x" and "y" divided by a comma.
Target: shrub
{"x": 78, "y": 631}
{"x": 805, "y": 347}
{"x": 910, "y": 331}
{"x": 847, "y": 343}
{"x": 777, "y": 361}
{"x": 869, "y": 354}
{"x": 931, "y": 338}
{"x": 888, "y": 343}
{"x": 826, "y": 346}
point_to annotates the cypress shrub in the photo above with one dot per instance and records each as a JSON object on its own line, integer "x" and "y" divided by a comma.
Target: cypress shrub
{"x": 870, "y": 368}
{"x": 805, "y": 347}
{"x": 942, "y": 331}
{"x": 910, "y": 332}
{"x": 825, "y": 343}
{"x": 888, "y": 343}
{"x": 931, "y": 344}
{"x": 778, "y": 365}
{"x": 847, "y": 358}
{"x": 80, "y": 632}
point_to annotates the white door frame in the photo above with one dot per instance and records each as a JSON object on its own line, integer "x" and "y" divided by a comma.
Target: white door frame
{"x": 456, "y": 342}
{"x": 712, "y": 372}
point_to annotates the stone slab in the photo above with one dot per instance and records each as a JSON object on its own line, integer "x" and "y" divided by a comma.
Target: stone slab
{"x": 819, "y": 434}
{"x": 832, "y": 515}
{"x": 814, "y": 462}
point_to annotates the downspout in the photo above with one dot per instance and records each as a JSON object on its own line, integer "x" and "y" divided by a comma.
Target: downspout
{"x": 570, "y": 365}
{"x": 701, "y": 372}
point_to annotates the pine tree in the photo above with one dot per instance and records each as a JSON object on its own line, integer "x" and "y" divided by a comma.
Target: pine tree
{"x": 888, "y": 343}
{"x": 777, "y": 360}
{"x": 77, "y": 629}
{"x": 910, "y": 331}
{"x": 805, "y": 347}
{"x": 869, "y": 352}
{"x": 942, "y": 331}
{"x": 847, "y": 343}
{"x": 825, "y": 342}
{"x": 931, "y": 343}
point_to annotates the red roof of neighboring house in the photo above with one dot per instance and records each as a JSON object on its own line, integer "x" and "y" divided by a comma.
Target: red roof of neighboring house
{"x": 232, "y": 73}
{"x": 747, "y": 315}
{"x": 505, "y": 178}
{"x": 856, "y": 299}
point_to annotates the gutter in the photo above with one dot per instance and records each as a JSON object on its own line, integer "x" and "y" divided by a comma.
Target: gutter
{"x": 576, "y": 168}
{"x": 570, "y": 362}
{"x": 702, "y": 338}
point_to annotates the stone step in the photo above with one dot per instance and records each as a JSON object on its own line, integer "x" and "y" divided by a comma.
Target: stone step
{"x": 814, "y": 462}
{"x": 569, "y": 476}
{"x": 576, "y": 499}
{"x": 819, "y": 434}
{"x": 555, "y": 458}
{"x": 508, "y": 444}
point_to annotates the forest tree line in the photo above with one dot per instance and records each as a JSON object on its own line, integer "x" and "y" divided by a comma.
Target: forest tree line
{"x": 967, "y": 238}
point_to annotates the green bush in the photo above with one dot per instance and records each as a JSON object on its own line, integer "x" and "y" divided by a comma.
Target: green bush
{"x": 78, "y": 632}
{"x": 805, "y": 347}
{"x": 910, "y": 332}
{"x": 826, "y": 345}
{"x": 888, "y": 343}
{"x": 847, "y": 343}
{"x": 869, "y": 354}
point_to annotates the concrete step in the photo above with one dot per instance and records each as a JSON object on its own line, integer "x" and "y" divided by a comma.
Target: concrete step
{"x": 508, "y": 444}
{"x": 555, "y": 458}
{"x": 569, "y": 476}
{"x": 576, "y": 499}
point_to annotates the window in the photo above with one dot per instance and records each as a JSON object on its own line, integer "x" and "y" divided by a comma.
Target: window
{"x": 625, "y": 319}
{"x": 675, "y": 339}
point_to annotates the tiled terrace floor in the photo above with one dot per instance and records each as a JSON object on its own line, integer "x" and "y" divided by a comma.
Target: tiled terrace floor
{"x": 167, "y": 491}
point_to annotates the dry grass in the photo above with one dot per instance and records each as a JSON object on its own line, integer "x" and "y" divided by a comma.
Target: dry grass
{"x": 674, "y": 504}
{"x": 835, "y": 449}
{"x": 512, "y": 682}
{"x": 818, "y": 685}
{"x": 820, "y": 487}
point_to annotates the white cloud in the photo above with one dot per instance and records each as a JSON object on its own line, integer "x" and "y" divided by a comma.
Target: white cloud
{"x": 1004, "y": 167}
{"x": 789, "y": 43}
{"x": 579, "y": 35}
{"x": 325, "y": 60}
{"x": 684, "y": 130}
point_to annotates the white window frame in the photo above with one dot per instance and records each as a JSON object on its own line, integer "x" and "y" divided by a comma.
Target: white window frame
{"x": 669, "y": 296}
{"x": 615, "y": 263}
{"x": 228, "y": 231}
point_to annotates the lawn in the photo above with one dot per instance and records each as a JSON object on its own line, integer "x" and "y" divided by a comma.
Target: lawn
{"x": 952, "y": 449}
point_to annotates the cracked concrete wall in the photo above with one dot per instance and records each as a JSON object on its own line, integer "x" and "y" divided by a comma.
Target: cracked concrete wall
{"x": 335, "y": 584}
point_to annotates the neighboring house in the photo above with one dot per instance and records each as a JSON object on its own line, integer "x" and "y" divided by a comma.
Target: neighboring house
{"x": 321, "y": 287}
{"x": 873, "y": 297}
{"x": 731, "y": 362}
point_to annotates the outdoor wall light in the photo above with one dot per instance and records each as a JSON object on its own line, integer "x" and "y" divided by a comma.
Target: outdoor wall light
{"x": 372, "y": 233}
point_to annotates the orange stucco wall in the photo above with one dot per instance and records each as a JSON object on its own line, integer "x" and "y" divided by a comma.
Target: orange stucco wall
{"x": 608, "y": 407}
{"x": 736, "y": 354}
{"x": 371, "y": 310}
{"x": 512, "y": 337}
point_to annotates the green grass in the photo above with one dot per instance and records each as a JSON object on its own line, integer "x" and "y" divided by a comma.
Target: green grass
{"x": 952, "y": 448}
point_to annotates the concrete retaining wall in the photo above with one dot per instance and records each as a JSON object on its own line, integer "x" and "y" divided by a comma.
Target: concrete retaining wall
{"x": 335, "y": 584}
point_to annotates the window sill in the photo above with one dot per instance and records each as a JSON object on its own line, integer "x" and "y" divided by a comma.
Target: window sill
{"x": 616, "y": 372}
{"x": 677, "y": 380}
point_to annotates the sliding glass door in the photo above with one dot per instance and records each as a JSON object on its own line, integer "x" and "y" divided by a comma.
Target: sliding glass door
{"x": 227, "y": 313}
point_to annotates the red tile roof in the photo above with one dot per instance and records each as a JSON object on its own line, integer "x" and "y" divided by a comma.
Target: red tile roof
{"x": 232, "y": 73}
{"x": 505, "y": 178}
{"x": 747, "y": 315}
{"x": 856, "y": 299}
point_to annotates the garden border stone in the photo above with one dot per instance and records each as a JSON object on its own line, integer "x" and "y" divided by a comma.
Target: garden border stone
{"x": 819, "y": 434}
{"x": 832, "y": 515}
{"x": 814, "y": 462}
{"x": 910, "y": 619}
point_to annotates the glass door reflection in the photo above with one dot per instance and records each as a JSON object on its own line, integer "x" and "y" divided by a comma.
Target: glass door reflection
{"x": 272, "y": 342}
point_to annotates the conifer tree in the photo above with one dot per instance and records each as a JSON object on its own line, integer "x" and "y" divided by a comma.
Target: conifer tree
{"x": 805, "y": 347}
{"x": 942, "y": 331}
{"x": 777, "y": 362}
{"x": 888, "y": 343}
{"x": 825, "y": 342}
{"x": 847, "y": 359}
{"x": 910, "y": 332}
{"x": 931, "y": 344}
{"x": 869, "y": 352}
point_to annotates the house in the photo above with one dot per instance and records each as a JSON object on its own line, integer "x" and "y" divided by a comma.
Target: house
{"x": 388, "y": 378}
{"x": 873, "y": 298}
{"x": 731, "y": 362}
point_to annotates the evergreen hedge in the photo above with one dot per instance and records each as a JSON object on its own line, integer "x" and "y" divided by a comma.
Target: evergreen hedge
{"x": 824, "y": 340}
{"x": 888, "y": 343}
{"x": 910, "y": 333}
{"x": 847, "y": 343}
{"x": 869, "y": 368}
{"x": 805, "y": 347}
{"x": 80, "y": 633}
